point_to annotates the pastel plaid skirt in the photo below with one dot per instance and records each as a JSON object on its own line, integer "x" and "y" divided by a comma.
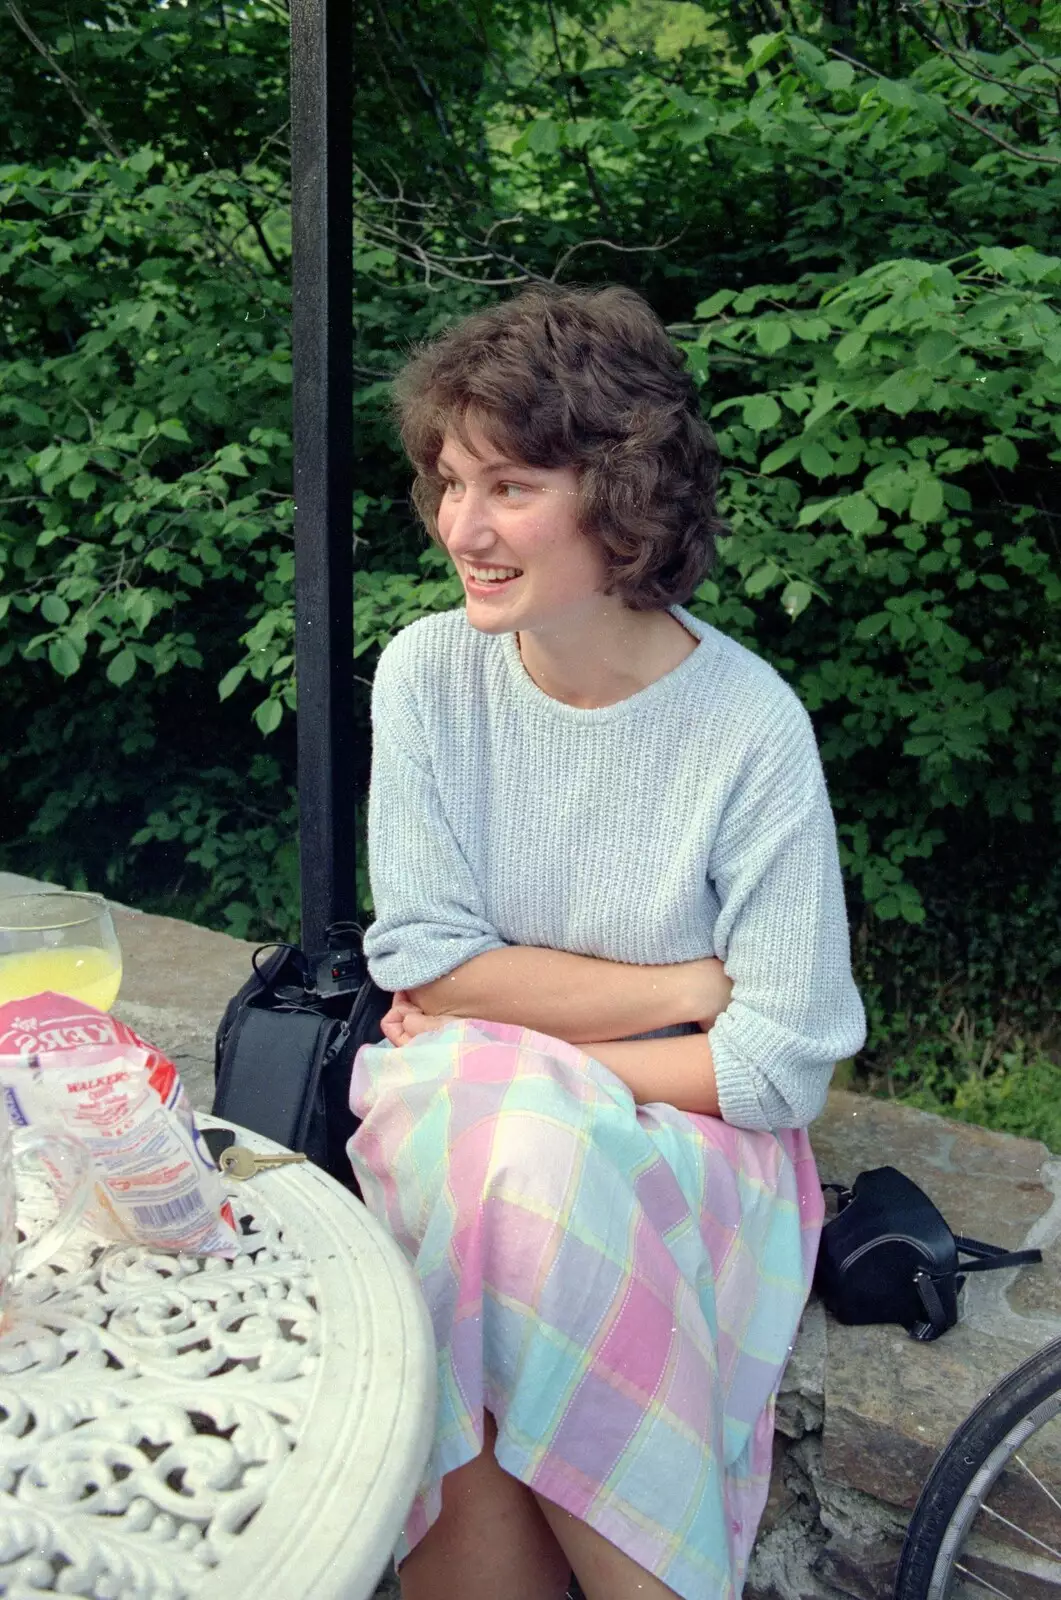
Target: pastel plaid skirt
{"x": 619, "y": 1285}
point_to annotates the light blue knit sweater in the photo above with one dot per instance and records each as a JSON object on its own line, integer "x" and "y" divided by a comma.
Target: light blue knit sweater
{"x": 688, "y": 820}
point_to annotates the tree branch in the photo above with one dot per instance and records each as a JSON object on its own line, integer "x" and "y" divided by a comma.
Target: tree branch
{"x": 98, "y": 127}
{"x": 960, "y": 116}
{"x": 608, "y": 42}
{"x": 1001, "y": 22}
{"x": 957, "y": 56}
{"x": 1004, "y": 144}
{"x": 405, "y": 54}
{"x": 583, "y": 157}
{"x": 267, "y": 249}
{"x": 609, "y": 244}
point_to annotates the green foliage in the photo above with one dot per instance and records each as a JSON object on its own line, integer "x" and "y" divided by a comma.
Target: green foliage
{"x": 851, "y": 230}
{"x": 241, "y": 848}
{"x": 1021, "y": 1094}
{"x": 151, "y": 461}
{"x": 873, "y": 490}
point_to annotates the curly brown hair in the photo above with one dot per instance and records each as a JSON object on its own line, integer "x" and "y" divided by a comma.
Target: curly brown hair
{"x": 587, "y": 378}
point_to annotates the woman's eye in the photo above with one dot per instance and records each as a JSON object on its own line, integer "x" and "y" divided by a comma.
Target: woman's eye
{"x": 507, "y": 491}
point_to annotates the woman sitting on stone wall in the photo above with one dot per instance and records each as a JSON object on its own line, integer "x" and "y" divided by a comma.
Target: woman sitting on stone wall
{"x": 608, "y": 903}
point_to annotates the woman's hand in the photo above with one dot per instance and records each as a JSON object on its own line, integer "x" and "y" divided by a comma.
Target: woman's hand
{"x": 405, "y": 1022}
{"x": 709, "y": 991}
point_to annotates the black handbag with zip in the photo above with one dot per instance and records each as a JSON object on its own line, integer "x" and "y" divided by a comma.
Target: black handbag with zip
{"x": 285, "y": 1049}
{"x": 889, "y": 1256}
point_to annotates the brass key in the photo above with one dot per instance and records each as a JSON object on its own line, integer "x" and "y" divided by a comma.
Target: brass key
{"x": 239, "y": 1162}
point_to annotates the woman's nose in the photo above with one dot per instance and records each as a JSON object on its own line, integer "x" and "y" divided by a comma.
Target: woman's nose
{"x": 466, "y": 518}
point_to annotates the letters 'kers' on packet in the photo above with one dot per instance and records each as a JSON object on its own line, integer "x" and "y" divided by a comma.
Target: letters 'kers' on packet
{"x": 68, "y": 1067}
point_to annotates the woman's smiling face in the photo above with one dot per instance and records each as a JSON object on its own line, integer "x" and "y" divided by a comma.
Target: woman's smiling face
{"x": 497, "y": 513}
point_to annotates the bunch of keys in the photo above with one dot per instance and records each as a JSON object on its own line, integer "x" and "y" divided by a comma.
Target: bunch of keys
{"x": 239, "y": 1162}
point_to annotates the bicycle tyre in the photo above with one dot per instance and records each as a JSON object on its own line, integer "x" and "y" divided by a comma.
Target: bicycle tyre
{"x": 968, "y": 1467}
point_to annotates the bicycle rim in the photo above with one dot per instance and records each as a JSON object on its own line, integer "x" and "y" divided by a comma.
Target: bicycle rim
{"x": 988, "y": 1521}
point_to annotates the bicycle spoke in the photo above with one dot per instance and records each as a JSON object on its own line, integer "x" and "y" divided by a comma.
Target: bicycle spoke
{"x": 975, "y": 1577}
{"x": 991, "y": 1512}
{"x": 1039, "y": 1484}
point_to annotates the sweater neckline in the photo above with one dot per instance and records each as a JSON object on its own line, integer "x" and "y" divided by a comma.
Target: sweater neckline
{"x": 528, "y": 691}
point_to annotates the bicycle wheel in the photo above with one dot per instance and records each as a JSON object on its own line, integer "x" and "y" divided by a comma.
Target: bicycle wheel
{"x": 988, "y": 1520}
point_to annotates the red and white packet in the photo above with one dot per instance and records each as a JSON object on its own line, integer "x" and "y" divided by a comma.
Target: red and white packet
{"x": 66, "y": 1066}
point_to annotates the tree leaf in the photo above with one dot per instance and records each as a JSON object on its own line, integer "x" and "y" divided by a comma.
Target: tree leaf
{"x": 140, "y": 608}
{"x": 121, "y": 668}
{"x": 857, "y": 512}
{"x": 849, "y": 347}
{"x": 543, "y": 137}
{"x": 927, "y": 503}
{"x": 815, "y": 459}
{"x": 761, "y": 578}
{"x": 63, "y": 657}
{"x": 781, "y": 456}
{"x": 795, "y": 598}
{"x": 894, "y": 93}
{"x": 902, "y": 392}
{"x": 268, "y": 715}
{"x": 232, "y": 680}
{"x": 762, "y": 49}
{"x": 54, "y": 609}
{"x": 82, "y": 486}
{"x": 998, "y": 259}
{"x": 171, "y": 428}
{"x": 812, "y": 328}
{"x": 815, "y": 511}
{"x": 772, "y": 336}
{"x": 838, "y": 75}
{"x": 716, "y": 303}
{"x": 1001, "y": 451}
{"x": 761, "y": 411}
{"x": 935, "y": 348}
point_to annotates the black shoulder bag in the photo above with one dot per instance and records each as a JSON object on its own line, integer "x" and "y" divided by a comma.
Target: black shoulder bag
{"x": 888, "y": 1256}
{"x": 286, "y": 1044}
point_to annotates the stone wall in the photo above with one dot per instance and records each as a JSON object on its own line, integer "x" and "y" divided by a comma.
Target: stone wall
{"x": 863, "y": 1412}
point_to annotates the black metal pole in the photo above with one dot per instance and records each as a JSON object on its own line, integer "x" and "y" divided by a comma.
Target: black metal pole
{"x": 322, "y": 401}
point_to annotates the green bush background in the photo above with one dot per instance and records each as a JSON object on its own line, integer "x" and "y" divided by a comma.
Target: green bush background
{"x": 847, "y": 216}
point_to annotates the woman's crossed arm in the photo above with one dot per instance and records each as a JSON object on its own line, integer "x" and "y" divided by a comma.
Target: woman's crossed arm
{"x": 582, "y": 999}
{"x": 569, "y": 997}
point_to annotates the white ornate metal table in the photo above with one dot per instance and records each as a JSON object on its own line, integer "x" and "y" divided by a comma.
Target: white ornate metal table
{"x": 182, "y": 1426}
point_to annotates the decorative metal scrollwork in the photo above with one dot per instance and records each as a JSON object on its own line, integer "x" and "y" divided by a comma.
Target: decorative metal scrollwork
{"x": 147, "y": 1404}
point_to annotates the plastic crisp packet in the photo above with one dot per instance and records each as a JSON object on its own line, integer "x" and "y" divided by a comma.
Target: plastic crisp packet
{"x": 66, "y": 1066}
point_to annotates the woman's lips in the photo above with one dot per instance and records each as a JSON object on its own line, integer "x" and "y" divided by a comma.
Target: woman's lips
{"x": 477, "y": 587}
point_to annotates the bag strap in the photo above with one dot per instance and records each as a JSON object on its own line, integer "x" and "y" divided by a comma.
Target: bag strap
{"x": 936, "y": 1318}
{"x": 989, "y": 1256}
{"x": 992, "y": 1255}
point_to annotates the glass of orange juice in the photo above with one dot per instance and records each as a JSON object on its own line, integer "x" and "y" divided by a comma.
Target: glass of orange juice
{"x": 62, "y": 941}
